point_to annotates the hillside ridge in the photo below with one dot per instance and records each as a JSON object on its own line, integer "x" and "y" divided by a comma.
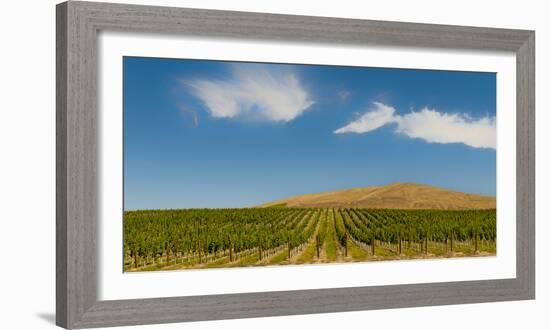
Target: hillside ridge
{"x": 393, "y": 196}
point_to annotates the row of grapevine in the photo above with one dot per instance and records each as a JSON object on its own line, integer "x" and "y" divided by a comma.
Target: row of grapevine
{"x": 420, "y": 227}
{"x": 223, "y": 236}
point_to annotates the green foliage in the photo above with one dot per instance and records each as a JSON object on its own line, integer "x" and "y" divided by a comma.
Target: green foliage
{"x": 152, "y": 237}
{"x": 391, "y": 226}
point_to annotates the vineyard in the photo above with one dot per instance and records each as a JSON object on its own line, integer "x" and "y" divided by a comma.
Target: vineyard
{"x": 209, "y": 238}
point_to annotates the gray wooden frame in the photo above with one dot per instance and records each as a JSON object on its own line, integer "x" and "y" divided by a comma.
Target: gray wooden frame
{"x": 77, "y": 151}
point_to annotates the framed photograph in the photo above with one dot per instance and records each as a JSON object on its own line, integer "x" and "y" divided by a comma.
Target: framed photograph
{"x": 217, "y": 165}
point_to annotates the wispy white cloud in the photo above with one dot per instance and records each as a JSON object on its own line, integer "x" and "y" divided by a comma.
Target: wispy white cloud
{"x": 438, "y": 127}
{"x": 378, "y": 116}
{"x": 343, "y": 95}
{"x": 253, "y": 93}
{"x": 429, "y": 125}
{"x": 189, "y": 115}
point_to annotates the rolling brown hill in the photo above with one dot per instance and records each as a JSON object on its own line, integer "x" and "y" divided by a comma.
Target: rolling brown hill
{"x": 393, "y": 196}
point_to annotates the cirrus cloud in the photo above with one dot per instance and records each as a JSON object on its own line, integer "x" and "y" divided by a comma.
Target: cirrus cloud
{"x": 429, "y": 125}
{"x": 343, "y": 95}
{"x": 252, "y": 92}
{"x": 371, "y": 120}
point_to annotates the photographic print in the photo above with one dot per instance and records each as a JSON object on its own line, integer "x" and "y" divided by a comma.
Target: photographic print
{"x": 235, "y": 164}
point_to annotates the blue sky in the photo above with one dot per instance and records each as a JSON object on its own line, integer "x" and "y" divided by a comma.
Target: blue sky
{"x": 229, "y": 134}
